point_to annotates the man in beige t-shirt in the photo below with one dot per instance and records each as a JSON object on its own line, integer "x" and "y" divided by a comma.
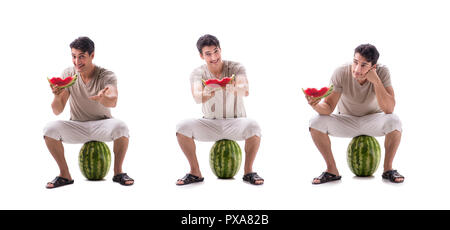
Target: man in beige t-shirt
{"x": 365, "y": 99}
{"x": 91, "y": 97}
{"x": 223, "y": 109}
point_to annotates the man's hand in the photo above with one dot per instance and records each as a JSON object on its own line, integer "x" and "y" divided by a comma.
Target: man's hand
{"x": 372, "y": 75}
{"x": 100, "y": 96}
{"x": 60, "y": 99}
{"x": 55, "y": 90}
{"x": 209, "y": 91}
{"x": 312, "y": 101}
{"x": 241, "y": 87}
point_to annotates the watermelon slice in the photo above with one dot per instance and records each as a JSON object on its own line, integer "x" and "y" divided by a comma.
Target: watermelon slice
{"x": 63, "y": 83}
{"x": 217, "y": 82}
{"x": 318, "y": 93}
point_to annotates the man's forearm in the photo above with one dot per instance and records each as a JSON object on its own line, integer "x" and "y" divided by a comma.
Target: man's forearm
{"x": 57, "y": 105}
{"x": 323, "y": 108}
{"x": 241, "y": 89}
{"x": 385, "y": 100}
{"x": 109, "y": 101}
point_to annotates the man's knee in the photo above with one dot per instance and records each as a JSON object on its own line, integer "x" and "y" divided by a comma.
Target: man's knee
{"x": 319, "y": 123}
{"x": 252, "y": 129}
{"x": 185, "y": 128}
{"x": 120, "y": 129}
{"x": 51, "y": 130}
{"x": 392, "y": 123}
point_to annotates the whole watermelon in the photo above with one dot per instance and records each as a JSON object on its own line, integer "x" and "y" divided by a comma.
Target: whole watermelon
{"x": 225, "y": 158}
{"x": 94, "y": 160}
{"x": 363, "y": 155}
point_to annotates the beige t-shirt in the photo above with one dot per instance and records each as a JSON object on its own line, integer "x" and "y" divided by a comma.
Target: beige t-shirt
{"x": 224, "y": 104}
{"x": 81, "y": 107}
{"x": 357, "y": 100}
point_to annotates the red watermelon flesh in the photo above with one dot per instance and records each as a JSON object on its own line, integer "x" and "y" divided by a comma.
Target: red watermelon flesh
{"x": 63, "y": 83}
{"x": 221, "y": 83}
{"x": 318, "y": 93}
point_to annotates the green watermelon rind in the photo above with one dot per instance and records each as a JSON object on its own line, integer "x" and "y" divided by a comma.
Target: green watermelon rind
{"x": 94, "y": 160}
{"x": 75, "y": 77}
{"x": 330, "y": 90}
{"x": 225, "y": 158}
{"x": 363, "y": 155}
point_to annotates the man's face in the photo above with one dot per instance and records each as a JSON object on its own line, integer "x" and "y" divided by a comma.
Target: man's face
{"x": 211, "y": 54}
{"x": 81, "y": 60}
{"x": 360, "y": 66}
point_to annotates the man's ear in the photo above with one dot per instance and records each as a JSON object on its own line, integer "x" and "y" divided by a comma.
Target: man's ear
{"x": 92, "y": 55}
{"x": 201, "y": 56}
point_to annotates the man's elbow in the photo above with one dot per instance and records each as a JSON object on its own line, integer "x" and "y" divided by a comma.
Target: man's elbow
{"x": 57, "y": 111}
{"x": 388, "y": 110}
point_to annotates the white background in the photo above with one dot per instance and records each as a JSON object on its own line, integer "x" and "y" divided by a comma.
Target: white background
{"x": 284, "y": 45}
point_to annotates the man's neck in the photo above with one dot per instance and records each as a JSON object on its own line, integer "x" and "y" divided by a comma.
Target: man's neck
{"x": 362, "y": 82}
{"x": 88, "y": 74}
{"x": 216, "y": 71}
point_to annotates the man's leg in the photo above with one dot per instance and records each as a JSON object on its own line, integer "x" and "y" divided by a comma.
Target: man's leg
{"x": 321, "y": 126}
{"x": 56, "y": 148}
{"x": 120, "y": 149}
{"x": 188, "y": 147}
{"x": 114, "y": 130}
{"x": 251, "y": 148}
{"x": 390, "y": 126}
{"x": 323, "y": 144}
{"x": 198, "y": 129}
{"x": 391, "y": 143}
{"x": 245, "y": 129}
{"x": 55, "y": 133}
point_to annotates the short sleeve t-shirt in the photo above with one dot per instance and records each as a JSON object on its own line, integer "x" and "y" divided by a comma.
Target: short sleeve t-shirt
{"x": 81, "y": 107}
{"x": 224, "y": 104}
{"x": 357, "y": 100}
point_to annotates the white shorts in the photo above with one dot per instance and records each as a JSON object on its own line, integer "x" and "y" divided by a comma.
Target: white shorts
{"x": 342, "y": 125}
{"x": 217, "y": 129}
{"x": 79, "y": 132}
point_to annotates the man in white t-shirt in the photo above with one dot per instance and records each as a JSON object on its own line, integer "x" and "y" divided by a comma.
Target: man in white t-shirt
{"x": 223, "y": 109}
{"x": 365, "y": 99}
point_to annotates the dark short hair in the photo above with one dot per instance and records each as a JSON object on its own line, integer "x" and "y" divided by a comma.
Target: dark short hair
{"x": 207, "y": 40}
{"x": 369, "y": 52}
{"x": 84, "y": 44}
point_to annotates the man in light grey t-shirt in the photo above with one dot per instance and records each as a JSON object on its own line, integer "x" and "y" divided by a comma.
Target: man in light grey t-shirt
{"x": 223, "y": 109}
{"x": 91, "y": 97}
{"x": 365, "y": 99}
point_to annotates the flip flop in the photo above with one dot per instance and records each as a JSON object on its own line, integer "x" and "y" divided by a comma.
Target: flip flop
{"x": 326, "y": 177}
{"x": 252, "y": 178}
{"x": 59, "y": 181}
{"x": 122, "y": 178}
{"x": 189, "y": 179}
{"x": 391, "y": 175}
